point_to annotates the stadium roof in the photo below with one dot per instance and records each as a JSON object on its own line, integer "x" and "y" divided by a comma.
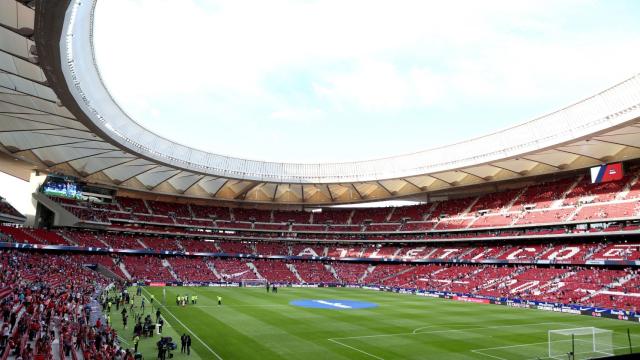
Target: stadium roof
{"x": 57, "y": 114}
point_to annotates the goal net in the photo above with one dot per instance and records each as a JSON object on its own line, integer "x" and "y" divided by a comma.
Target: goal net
{"x": 580, "y": 343}
{"x": 254, "y": 282}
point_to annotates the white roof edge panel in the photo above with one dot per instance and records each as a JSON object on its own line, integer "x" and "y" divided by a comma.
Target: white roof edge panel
{"x": 611, "y": 108}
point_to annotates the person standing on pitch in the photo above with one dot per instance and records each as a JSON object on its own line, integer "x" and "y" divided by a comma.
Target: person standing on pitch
{"x": 219, "y": 300}
{"x": 183, "y": 343}
{"x": 136, "y": 340}
{"x": 188, "y": 344}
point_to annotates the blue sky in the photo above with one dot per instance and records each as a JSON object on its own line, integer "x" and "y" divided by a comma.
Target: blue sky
{"x": 322, "y": 81}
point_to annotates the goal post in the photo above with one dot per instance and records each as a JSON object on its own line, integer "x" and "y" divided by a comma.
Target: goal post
{"x": 254, "y": 283}
{"x": 580, "y": 343}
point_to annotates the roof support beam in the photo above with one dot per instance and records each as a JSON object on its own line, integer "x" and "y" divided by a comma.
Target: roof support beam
{"x": 243, "y": 194}
{"x": 444, "y": 181}
{"x": 128, "y": 160}
{"x": 52, "y": 145}
{"x": 356, "y": 190}
{"x": 80, "y": 158}
{"x": 505, "y": 169}
{"x": 13, "y": 115}
{"x": 413, "y": 184}
{"x": 578, "y": 154}
{"x": 38, "y": 112}
{"x": 275, "y": 192}
{"x": 30, "y": 130}
{"x": 64, "y": 136}
{"x": 193, "y": 184}
{"x": 540, "y": 162}
{"x": 385, "y": 188}
{"x": 220, "y": 188}
{"x": 330, "y": 194}
{"x": 140, "y": 173}
{"x": 169, "y": 178}
{"x": 27, "y": 94}
{"x": 474, "y": 175}
{"x": 616, "y": 143}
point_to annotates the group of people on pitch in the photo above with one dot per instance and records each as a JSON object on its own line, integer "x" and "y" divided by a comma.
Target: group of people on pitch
{"x": 183, "y": 300}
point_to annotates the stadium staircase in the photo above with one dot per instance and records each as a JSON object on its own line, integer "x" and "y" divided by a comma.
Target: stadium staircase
{"x": 67, "y": 238}
{"x": 399, "y": 273}
{"x": 627, "y": 188}
{"x": 332, "y": 271}
{"x": 369, "y": 270}
{"x": 388, "y": 217}
{"x": 295, "y": 272}
{"x": 167, "y": 265}
{"x": 255, "y": 270}
{"x": 499, "y": 280}
{"x": 146, "y": 205}
{"x": 353, "y": 212}
{"x": 106, "y": 244}
{"x": 123, "y": 269}
{"x": 467, "y": 210}
{"x": 107, "y": 272}
{"x": 609, "y": 289}
{"x": 558, "y": 203}
{"x": 508, "y": 207}
{"x": 214, "y": 270}
{"x": 139, "y": 241}
{"x": 574, "y": 213}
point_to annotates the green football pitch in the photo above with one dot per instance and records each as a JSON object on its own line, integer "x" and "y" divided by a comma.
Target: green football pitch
{"x": 254, "y": 324}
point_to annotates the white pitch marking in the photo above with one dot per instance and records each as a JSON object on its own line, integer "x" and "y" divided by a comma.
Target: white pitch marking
{"x": 189, "y": 330}
{"x": 356, "y": 349}
{"x": 417, "y": 331}
{"x": 481, "y": 351}
{"x": 338, "y": 305}
{"x": 509, "y": 346}
{"x": 446, "y": 331}
{"x": 491, "y": 356}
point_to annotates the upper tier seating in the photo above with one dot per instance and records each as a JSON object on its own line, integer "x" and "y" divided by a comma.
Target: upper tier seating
{"x": 376, "y": 215}
{"x": 538, "y": 204}
{"x": 334, "y": 216}
{"x": 135, "y": 205}
{"x": 410, "y": 213}
{"x": 300, "y": 217}
{"x": 544, "y": 195}
{"x": 204, "y": 212}
{"x": 167, "y": 209}
{"x": 8, "y": 209}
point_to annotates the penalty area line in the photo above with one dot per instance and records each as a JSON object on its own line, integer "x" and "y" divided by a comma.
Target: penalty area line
{"x": 491, "y": 356}
{"x": 355, "y": 348}
{"x": 189, "y": 330}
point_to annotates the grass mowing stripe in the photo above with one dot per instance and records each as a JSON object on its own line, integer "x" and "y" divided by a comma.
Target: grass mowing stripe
{"x": 189, "y": 330}
{"x": 255, "y": 325}
{"x": 356, "y": 349}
